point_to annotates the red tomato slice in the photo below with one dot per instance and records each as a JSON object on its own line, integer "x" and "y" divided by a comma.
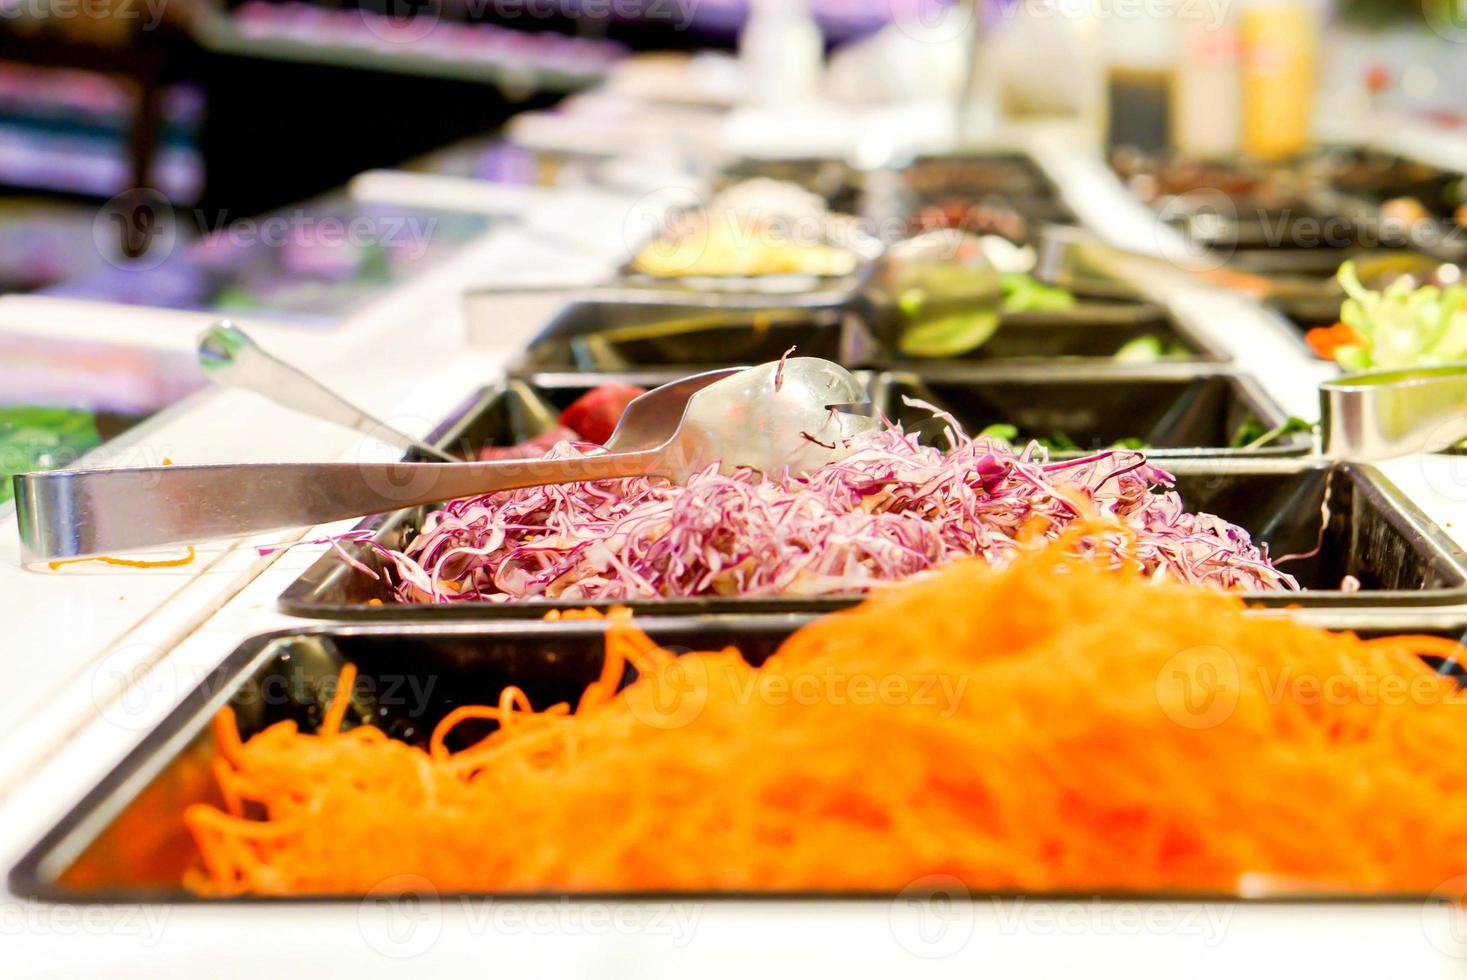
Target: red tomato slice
{"x": 595, "y": 414}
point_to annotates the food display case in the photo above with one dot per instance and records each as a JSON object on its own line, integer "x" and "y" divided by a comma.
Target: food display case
{"x": 1105, "y": 517}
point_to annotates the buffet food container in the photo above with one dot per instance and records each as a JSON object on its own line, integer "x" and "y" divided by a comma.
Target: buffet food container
{"x": 1092, "y": 331}
{"x": 674, "y": 335}
{"x": 1380, "y": 174}
{"x": 835, "y": 181}
{"x": 677, "y": 336}
{"x": 1013, "y": 192}
{"x": 1398, "y": 556}
{"x": 1302, "y": 283}
{"x": 843, "y": 186}
{"x": 976, "y": 174}
{"x": 1246, "y": 226}
{"x": 997, "y": 182}
{"x": 1275, "y": 215}
{"x": 1183, "y": 410}
{"x": 125, "y": 841}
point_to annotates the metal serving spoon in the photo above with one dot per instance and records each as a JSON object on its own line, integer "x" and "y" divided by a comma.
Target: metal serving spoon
{"x": 230, "y": 357}
{"x": 772, "y": 417}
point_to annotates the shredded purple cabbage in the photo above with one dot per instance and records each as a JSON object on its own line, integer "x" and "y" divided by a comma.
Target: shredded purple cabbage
{"x": 891, "y": 509}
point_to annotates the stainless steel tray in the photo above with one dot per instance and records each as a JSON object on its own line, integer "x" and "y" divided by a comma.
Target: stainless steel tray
{"x": 1176, "y": 410}
{"x": 125, "y": 841}
{"x": 1339, "y": 190}
{"x": 675, "y": 335}
{"x": 843, "y": 186}
{"x": 1375, "y": 534}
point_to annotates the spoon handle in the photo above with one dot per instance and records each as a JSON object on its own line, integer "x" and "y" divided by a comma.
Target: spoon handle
{"x": 231, "y": 357}
{"x": 76, "y": 513}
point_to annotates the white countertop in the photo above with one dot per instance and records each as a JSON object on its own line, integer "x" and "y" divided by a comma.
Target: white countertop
{"x": 100, "y": 655}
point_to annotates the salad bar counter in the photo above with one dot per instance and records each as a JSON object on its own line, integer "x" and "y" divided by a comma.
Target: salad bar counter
{"x": 1026, "y": 616}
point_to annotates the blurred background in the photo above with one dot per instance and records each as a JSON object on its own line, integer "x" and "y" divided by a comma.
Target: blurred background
{"x": 132, "y": 125}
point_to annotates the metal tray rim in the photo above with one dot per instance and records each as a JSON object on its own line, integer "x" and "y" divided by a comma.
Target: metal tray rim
{"x": 1257, "y": 399}
{"x": 1208, "y": 352}
{"x": 298, "y": 598}
{"x": 94, "y": 810}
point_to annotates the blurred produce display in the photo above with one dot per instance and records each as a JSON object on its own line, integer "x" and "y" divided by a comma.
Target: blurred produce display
{"x": 66, "y": 129}
{"x": 533, "y": 58}
{"x": 37, "y": 437}
{"x": 1407, "y": 324}
{"x": 313, "y": 263}
{"x": 61, "y": 398}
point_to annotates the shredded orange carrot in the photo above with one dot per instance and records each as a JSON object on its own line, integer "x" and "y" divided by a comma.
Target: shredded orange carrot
{"x": 559, "y": 615}
{"x": 128, "y": 562}
{"x": 1049, "y": 726}
{"x": 340, "y": 701}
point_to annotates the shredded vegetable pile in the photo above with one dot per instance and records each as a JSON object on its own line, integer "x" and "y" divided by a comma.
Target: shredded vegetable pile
{"x": 1405, "y": 325}
{"x": 891, "y": 509}
{"x": 1050, "y": 726}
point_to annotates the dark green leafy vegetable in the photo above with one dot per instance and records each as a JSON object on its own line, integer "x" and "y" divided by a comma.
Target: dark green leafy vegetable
{"x": 1022, "y": 292}
{"x": 1252, "y": 435}
{"x": 1148, "y": 349}
{"x": 1057, "y": 441}
{"x": 954, "y": 334}
{"x": 41, "y": 438}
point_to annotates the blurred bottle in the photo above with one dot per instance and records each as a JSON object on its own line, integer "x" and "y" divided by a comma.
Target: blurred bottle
{"x": 1280, "y": 62}
{"x": 782, "y": 51}
{"x": 1041, "y": 60}
{"x": 1207, "y": 99}
{"x": 1140, "y": 76}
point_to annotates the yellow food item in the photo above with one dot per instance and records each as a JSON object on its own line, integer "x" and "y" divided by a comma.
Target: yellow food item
{"x": 734, "y": 245}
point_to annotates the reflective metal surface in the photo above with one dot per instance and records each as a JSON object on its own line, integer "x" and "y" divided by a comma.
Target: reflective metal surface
{"x": 1373, "y": 532}
{"x": 1384, "y": 414}
{"x": 126, "y": 842}
{"x": 772, "y": 417}
{"x": 230, "y": 357}
{"x": 1172, "y": 410}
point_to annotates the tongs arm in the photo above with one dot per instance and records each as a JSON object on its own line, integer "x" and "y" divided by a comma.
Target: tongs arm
{"x": 77, "y": 513}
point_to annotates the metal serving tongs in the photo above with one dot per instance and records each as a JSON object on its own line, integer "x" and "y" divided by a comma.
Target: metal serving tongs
{"x": 1383, "y": 414}
{"x": 230, "y": 357}
{"x": 798, "y": 414}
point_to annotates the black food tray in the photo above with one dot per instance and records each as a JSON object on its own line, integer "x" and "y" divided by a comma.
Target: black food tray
{"x": 1374, "y": 533}
{"x": 1175, "y": 410}
{"x": 125, "y": 841}
{"x": 676, "y": 337}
